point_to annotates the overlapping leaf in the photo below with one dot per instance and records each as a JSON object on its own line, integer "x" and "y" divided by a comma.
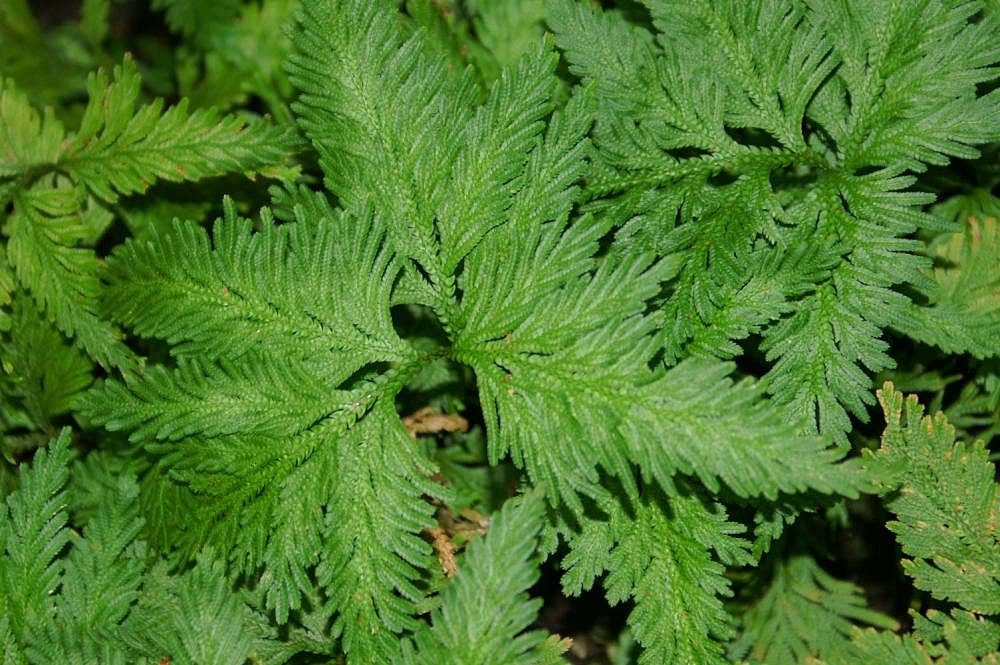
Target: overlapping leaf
{"x": 740, "y": 138}
{"x": 293, "y": 423}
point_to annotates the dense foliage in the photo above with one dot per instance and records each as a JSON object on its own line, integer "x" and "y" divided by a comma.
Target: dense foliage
{"x": 386, "y": 332}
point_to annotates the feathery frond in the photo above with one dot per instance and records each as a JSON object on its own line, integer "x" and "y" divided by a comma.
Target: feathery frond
{"x": 737, "y": 139}
{"x": 485, "y": 611}
{"x": 944, "y": 495}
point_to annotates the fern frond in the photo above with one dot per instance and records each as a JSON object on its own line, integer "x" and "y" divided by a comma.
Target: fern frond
{"x": 326, "y": 285}
{"x": 101, "y": 579}
{"x": 768, "y": 59}
{"x": 191, "y": 619}
{"x": 143, "y": 145}
{"x": 963, "y": 315}
{"x": 558, "y": 375}
{"x": 101, "y": 576}
{"x": 490, "y": 167}
{"x": 33, "y": 533}
{"x": 944, "y": 495}
{"x": 373, "y": 552}
{"x": 443, "y": 173}
{"x": 27, "y": 140}
{"x": 537, "y": 325}
{"x": 506, "y": 30}
{"x": 261, "y": 394}
{"x": 735, "y": 136}
{"x": 44, "y": 375}
{"x": 260, "y": 432}
{"x": 384, "y": 116}
{"x": 116, "y": 151}
{"x": 961, "y": 637}
{"x": 819, "y": 353}
{"x": 196, "y": 20}
{"x": 967, "y": 634}
{"x": 485, "y": 611}
{"x": 567, "y": 366}
{"x": 45, "y": 230}
{"x": 696, "y": 404}
{"x": 911, "y": 71}
{"x": 532, "y": 249}
{"x": 659, "y": 552}
{"x": 805, "y": 612}
{"x": 149, "y": 144}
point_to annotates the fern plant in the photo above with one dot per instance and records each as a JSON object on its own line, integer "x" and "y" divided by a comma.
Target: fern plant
{"x": 634, "y": 279}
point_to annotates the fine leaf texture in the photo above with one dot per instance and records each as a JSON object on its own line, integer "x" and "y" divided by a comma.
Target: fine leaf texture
{"x": 805, "y": 612}
{"x": 192, "y": 619}
{"x": 48, "y": 231}
{"x": 961, "y": 637}
{"x": 101, "y": 579}
{"x": 58, "y": 184}
{"x": 260, "y": 431}
{"x": 944, "y": 496}
{"x": 384, "y": 115}
{"x": 43, "y": 373}
{"x": 144, "y": 144}
{"x": 669, "y": 554}
{"x": 485, "y": 611}
{"x": 149, "y": 143}
{"x": 738, "y": 139}
{"x": 517, "y": 286}
{"x": 653, "y": 281}
{"x": 32, "y": 534}
{"x": 89, "y": 598}
{"x": 963, "y": 313}
{"x": 197, "y": 20}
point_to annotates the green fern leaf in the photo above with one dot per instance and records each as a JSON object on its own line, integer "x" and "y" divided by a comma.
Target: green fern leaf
{"x": 45, "y": 231}
{"x": 26, "y": 140}
{"x": 384, "y": 116}
{"x": 311, "y": 290}
{"x": 44, "y": 375}
{"x": 103, "y": 572}
{"x": 485, "y": 611}
{"x": 10, "y": 654}
{"x": 151, "y": 144}
{"x": 260, "y": 437}
{"x": 805, "y": 612}
{"x": 144, "y": 145}
{"x": 968, "y": 636}
{"x": 945, "y": 499}
{"x": 101, "y": 579}
{"x": 373, "y": 554}
{"x": 191, "y": 619}
{"x": 505, "y": 30}
{"x": 963, "y": 315}
{"x": 198, "y": 21}
{"x": 32, "y": 534}
{"x": 117, "y": 150}
{"x": 660, "y": 554}
{"x": 277, "y": 416}
{"x": 738, "y": 137}
{"x": 961, "y": 637}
